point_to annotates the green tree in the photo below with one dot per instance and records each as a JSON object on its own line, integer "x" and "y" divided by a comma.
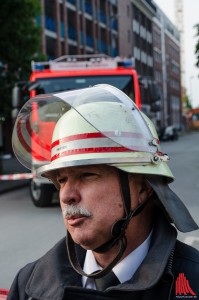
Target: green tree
{"x": 187, "y": 102}
{"x": 197, "y": 45}
{"x": 20, "y": 40}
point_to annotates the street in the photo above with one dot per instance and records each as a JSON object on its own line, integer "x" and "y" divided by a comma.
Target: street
{"x": 184, "y": 163}
{"x": 27, "y": 232}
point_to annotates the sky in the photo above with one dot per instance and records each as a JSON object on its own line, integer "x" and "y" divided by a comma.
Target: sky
{"x": 191, "y": 17}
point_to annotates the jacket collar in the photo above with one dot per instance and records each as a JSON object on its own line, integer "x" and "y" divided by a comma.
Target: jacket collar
{"x": 155, "y": 263}
{"x": 53, "y": 272}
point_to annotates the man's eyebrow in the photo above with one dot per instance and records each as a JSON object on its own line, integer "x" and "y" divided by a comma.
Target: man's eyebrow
{"x": 66, "y": 172}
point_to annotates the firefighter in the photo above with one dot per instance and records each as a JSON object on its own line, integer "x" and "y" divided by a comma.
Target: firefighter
{"x": 121, "y": 217}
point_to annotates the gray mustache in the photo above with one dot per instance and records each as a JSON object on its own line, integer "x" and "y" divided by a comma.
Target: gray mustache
{"x": 74, "y": 210}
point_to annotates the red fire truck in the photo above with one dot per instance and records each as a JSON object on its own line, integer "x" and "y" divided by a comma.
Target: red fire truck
{"x": 69, "y": 73}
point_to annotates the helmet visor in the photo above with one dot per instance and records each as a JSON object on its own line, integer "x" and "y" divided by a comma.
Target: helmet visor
{"x": 32, "y": 134}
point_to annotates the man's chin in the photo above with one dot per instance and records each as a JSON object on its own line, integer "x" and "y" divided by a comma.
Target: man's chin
{"x": 86, "y": 244}
{"x": 87, "y": 240}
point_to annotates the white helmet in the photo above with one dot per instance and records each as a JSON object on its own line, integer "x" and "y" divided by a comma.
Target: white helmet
{"x": 98, "y": 125}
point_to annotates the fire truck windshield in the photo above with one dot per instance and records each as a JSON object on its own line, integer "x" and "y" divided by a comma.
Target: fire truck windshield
{"x": 58, "y": 84}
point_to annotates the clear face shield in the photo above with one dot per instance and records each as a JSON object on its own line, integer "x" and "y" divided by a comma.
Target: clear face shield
{"x": 33, "y": 130}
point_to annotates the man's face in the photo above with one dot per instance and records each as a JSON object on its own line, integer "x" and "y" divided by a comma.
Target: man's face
{"x": 91, "y": 199}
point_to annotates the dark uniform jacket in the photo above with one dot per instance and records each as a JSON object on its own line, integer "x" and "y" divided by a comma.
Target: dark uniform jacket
{"x": 169, "y": 271}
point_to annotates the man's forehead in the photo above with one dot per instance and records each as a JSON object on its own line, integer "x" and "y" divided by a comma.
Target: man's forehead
{"x": 87, "y": 168}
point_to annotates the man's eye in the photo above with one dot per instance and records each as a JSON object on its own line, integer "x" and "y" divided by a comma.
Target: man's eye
{"x": 88, "y": 175}
{"x": 62, "y": 180}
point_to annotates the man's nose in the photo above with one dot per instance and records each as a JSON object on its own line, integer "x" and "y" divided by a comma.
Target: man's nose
{"x": 70, "y": 194}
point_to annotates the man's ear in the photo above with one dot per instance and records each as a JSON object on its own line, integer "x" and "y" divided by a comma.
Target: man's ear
{"x": 145, "y": 191}
{"x": 142, "y": 187}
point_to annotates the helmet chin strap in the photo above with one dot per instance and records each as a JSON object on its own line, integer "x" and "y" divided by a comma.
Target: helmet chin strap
{"x": 118, "y": 233}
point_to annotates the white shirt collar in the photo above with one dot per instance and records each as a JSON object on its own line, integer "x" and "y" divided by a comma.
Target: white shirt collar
{"x": 124, "y": 270}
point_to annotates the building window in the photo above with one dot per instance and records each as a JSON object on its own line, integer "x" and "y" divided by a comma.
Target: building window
{"x": 157, "y": 57}
{"x": 158, "y": 76}
{"x": 136, "y": 27}
{"x": 143, "y": 32}
{"x": 175, "y": 68}
{"x": 149, "y": 37}
{"x": 174, "y": 84}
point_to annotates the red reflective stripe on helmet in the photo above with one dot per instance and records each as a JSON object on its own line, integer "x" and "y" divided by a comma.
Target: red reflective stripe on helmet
{"x": 90, "y": 150}
{"x": 91, "y": 135}
{"x": 24, "y": 144}
{"x": 75, "y": 137}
